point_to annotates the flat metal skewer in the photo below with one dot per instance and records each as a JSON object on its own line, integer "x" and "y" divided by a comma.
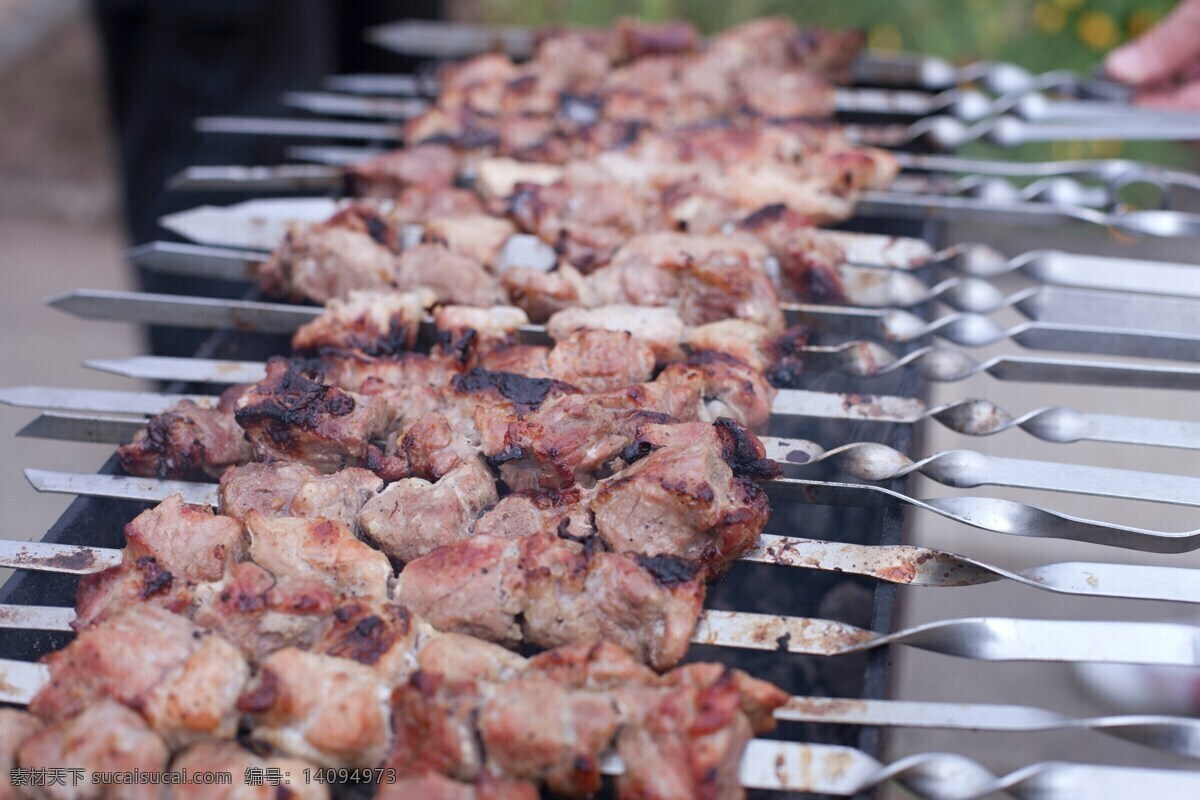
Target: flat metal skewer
{"x": 967, "y": 329}
{"x": 844, "y": 771}
{"x": 859, "y": 358}
{"x": 900, "y": 564}
{"x": 971, "y": 417}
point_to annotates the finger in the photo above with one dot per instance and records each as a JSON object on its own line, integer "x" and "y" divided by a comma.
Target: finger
{"x": 1178, "y": 98}
{"x": 1162, "y": 51}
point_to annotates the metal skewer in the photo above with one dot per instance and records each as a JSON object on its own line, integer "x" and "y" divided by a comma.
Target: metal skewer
{"x": 971, "y": 417}
{"x": 858, "y": 358}
{"x": 899, "y": 564}
{"x": 844, "y": 771}
{"x": 984, "y": 513}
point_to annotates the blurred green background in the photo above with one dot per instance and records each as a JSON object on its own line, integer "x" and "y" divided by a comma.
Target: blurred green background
{"x": 1040, "y": 35}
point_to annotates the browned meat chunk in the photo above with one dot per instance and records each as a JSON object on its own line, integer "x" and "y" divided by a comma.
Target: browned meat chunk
{"x": 661, "y": 329}
{"x": 537, "y": 729}
{"x": 229, "y": 757}
{"x": 530, "y": 513}
{"x": 682, "y": 500}
{"x": 600, "y": 361}
{"x": 355, "y": 249}
{"x": 381, "y": 635}
{"x": 259, "y": 612}
{"x": 105, "y": 737}
{"x": 169, "y": 550}
{"x": 413, "y": 516}
{"x": 183, "y": 682}
{"x": 331, "y": 711}
{"x": 727, "y": 388}
{"x": 433, "y": 720}
{"x": 429, "y": 166}
{"x": 451, "y": 276}
{"x": 321, "y": 550}
{"x": 808, "y": 258}
{"x": 375, "y": 322}
{"x": 187, "y": 442}
{"x": 414, "y": 204}
{"x": 297, "y": 490}
{"x": 479, "y": 237}
{"x": 529, "y": 360}
{"x": 289, "y": 416}
{"x": 431, "y": 447}
{"x": 543, "y": 294}
{"x": 546, "y": 591}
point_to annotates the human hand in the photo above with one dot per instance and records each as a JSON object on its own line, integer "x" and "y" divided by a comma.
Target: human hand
{"x": 1163, "y": 64}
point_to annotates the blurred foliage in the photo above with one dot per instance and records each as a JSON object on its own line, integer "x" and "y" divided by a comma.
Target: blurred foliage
{"x": 1039, "y": 35}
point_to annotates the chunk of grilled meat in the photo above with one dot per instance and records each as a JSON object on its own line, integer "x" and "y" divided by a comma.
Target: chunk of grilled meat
{"x": 284, "y": 489}
{"x": 661, "y": 329}
{"x": 546, "y": 591}
{"x": 355, "y": 249}
{"x": 290, "y": 416}
{"x": 480, "y": 237}
{"x": 601, "y": 361}
{"x": 189, "y": 441}
{"x": 430, "y": 166}
{"x": 105, "y": 738}
{"x": 683, "y": 499}
{"x": 413, "y": 516}
{"x": 183, "y": 681}
{"x": 380, "y": 322}
{"x": 169, "y": 550}
{"x": 451, "y": 276}
{"x": 331, "y": 711}
{"x": 319, "y": 549}
{"x": 228, "y": 757}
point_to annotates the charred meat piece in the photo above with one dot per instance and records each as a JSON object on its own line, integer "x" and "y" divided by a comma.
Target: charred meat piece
{"x": 187, "y": 442}
{"x": 289, "y": 416}
{"x": 169, "y": 550}
{"x": 682, "y": 499}
{"x": 600, "y": 361}
{"x": 355, "y": 249}
{"x": 414, "y": 205}
{"x": 431, "y": 447}
{"x": 433, "y": 719}
{"x": 529, "y": 360}
{"x": 260, "y": 612}
{"x": 468, "y": 334}
{"x": 321, "y": 550}
{"x": 238, "y": 761}
{"x": 183, "y": 681}
{"x": 531, "y": 513}
{"x": 585, "y": 221}
{"x": 546, "y": 591}
{"x": 380, "y": 635}
{"x": 808, "y": 258}
{"x": 375, "y": 322}
{"x": 105, "y": 737}
{"x": 413, "y": 516}
{"x": 297, "y": 490}
{"x": 727, "y": 387}
{"x": 451, "y": 276}
{"x": 330, "y": 711}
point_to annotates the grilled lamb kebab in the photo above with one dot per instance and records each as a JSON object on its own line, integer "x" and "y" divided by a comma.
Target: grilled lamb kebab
{"x": 359, "y": 652}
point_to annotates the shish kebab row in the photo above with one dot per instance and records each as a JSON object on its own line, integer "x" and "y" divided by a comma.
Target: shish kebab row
{"x": 289, "y": 630}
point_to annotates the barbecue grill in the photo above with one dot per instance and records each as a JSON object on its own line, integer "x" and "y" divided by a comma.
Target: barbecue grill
{"x": 850, "y": 588}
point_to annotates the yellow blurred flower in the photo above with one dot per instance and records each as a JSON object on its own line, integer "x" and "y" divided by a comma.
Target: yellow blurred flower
{"x": 1048, "y": 17}
{"x": 1141, "y": 20}
{"x": 885, "y": 37}
{"x": 1106, "y": 149}
{"x": 1097, "y": 30}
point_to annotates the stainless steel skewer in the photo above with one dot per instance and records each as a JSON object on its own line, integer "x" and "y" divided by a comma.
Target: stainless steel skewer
{"x": 971, "y": 417}
{"x": 984, "y": 513}
{"x": 844, "y": 771}
{"x": 859, "y": 358}
{"x": 880, "y": 287}
{"x": 1080, "y": 334}
{"x": 899, "y": 564}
